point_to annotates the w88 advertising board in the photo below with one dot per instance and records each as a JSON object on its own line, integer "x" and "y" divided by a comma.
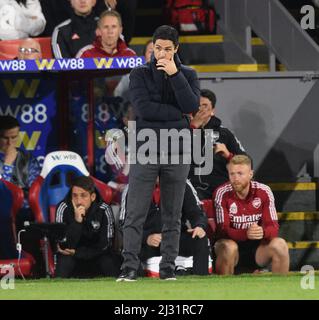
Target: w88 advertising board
{"x": 31, "y": 99}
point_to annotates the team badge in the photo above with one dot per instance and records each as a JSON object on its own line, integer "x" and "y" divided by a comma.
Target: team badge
{"x": 256, "y": 203}
{"x": 96, "y": 225}
{"x": 233, "y": 208}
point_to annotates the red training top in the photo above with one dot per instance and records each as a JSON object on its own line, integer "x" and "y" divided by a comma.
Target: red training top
{"x": 96, "y": 51}
{"x": 234, "y": 216}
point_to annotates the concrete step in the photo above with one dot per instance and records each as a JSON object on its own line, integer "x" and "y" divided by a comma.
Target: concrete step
{"x": 299, "y": 226}
{"x": 212, "y": 53}
{"x": 295, "y": 196}
{"x": 202, "y": 49}
{"x": 303, "y": 253}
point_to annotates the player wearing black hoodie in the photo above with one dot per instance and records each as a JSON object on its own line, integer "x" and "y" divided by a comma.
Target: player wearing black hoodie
{"x": 89, "y": 231}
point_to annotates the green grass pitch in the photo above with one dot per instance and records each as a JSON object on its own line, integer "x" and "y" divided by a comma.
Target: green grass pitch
{"x": 247, "y": 287}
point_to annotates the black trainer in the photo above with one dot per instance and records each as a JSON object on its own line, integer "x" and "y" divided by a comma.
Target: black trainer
{"x": 167, "y": 274}
{"x": 127, "y": 275}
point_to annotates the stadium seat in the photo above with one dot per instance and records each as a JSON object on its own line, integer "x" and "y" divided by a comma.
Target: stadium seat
{"x": 9, "y": 48}
{"x": 53, "y": 184}
{"x": 11, "y": 202}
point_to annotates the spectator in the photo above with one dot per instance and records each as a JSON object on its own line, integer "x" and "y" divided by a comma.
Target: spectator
{"x": 29, "y": 49}
{"x": 226, "y": 145}
{"x": 247, "y": 225}
{"x": 16, "y": 166}
{"x": 20, "y": 19}
{"x": 122, "y": 89}
{"x": 127, "y": 10}
{"x": 193, "y": 240}
{"x": 89, "y": 232}
{"x": 75, "y": 33}
{"x": 108, "y": 42}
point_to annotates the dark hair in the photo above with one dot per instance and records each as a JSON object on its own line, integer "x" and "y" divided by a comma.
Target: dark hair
{"x": 166, "y": 32}
{"x": 85, "y": 183}
{"x": 8, "y": 122}
{"x": 210, "y": 95}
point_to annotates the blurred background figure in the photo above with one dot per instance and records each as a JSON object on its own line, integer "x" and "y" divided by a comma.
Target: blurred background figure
{"x": 20, "y": 19}
{"x": 78, "y": 31}
{"x": 29, "y": 49}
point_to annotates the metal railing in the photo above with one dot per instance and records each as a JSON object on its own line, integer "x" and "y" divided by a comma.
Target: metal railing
{"x": 280, "y": 32}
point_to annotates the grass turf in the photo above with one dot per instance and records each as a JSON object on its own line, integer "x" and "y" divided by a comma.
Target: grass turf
{"x": 250, "y": 287}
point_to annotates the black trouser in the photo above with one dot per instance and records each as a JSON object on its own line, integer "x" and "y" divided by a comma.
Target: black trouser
{"x": 142, "y": 181}
{"x": 197, "y": 248}
{"x": 107, "y": 265}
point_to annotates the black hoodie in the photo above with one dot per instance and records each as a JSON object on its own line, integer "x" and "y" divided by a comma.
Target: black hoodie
{"x": 206, "y": 184}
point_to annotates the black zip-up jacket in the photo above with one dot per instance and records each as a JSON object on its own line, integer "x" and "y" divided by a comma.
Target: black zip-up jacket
{"x": 192, "y": 212}
{"x": 94, "y": 236}
{"x": 73, "y": 34}
{"x": 161, "y": 101}
{"x": 206, "y": 184}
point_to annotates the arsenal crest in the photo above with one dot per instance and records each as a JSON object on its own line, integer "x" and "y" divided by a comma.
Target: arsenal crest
{"x": 256, "y": 203}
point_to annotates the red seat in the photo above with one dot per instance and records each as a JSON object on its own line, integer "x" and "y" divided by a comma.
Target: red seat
{"x": 9, "y": 48}
{"x": 11, "y": 202}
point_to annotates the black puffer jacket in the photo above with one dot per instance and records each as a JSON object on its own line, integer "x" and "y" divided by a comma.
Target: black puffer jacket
{"x": 164, "y": 102}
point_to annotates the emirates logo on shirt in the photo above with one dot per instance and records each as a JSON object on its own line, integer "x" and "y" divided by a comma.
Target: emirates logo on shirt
{"x": 256, "y": 203}
{"x": 233, "y": 208}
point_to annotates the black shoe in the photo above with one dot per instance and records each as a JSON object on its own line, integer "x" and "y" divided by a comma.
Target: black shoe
{"x": 127, "y": 275}
{"x": 167, "y": 274}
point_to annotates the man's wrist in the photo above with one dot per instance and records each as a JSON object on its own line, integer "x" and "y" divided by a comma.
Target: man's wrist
{"x": 195, "y": 124}
{"x": 174, "y": 74}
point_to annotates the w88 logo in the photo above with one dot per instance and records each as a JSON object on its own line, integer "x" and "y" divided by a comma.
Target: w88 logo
{"x": 38, "y": 113}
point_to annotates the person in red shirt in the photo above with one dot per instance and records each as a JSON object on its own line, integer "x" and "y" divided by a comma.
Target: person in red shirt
{"x": 108, "y": 42}
{"x": 247, "y": 225}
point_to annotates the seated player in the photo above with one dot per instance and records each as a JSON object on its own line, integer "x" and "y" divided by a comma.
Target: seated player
{"x": 88, "y": 244}
{"x": 247, "y": 225}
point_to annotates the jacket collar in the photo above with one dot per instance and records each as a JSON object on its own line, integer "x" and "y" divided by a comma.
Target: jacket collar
{"x": 213, "y": 123}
